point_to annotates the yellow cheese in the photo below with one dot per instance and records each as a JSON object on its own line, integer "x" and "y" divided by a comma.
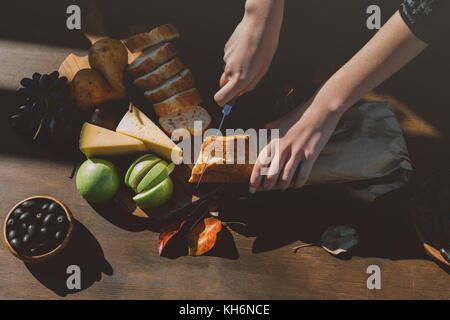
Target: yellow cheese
{"x": 137, "y": 125}
{"x": 98, "y": 141}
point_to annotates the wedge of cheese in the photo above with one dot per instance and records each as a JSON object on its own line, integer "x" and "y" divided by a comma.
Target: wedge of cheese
{"x": 137, "y": 125}
{"x": 98, "y": 141}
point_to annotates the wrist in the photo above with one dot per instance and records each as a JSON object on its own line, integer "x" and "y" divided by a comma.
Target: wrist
{"x": 265, "y": 9}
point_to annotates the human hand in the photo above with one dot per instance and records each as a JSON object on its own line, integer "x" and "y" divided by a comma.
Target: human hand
{"x": 250, "y": 50}
{"x": 289, "y": 159}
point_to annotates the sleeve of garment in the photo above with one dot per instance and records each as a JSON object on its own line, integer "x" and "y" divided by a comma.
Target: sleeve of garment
{"x": 429, "y": 20}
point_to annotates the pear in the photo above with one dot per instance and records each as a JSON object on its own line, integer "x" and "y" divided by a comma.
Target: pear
{"x": 155, "y": 197}
{"x": 140, "y": 170}
{"x": 89, "y": 89}
{"x": 110, "y": 57}
{"x": 156, "y": 175}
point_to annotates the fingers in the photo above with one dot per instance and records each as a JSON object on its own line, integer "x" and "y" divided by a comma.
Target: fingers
{"x": 231, "y": 89}
{"x": 273, "y": 173}
{"x": 305, "y": 171}
{"x": 261, "y": 163}
{"x": 289, "y": 172}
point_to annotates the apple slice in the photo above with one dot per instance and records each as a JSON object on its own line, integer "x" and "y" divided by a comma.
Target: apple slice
{"x": 130, "y": 169}
{"x": 140, "y": 170}
{"x": 155, "y": 197}
{"x": 157, "y": 174}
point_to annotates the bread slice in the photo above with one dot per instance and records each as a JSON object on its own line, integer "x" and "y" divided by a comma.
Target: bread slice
{"x": 152, "y": 58}
{"x": 164, "y": 33}
{"x": 181, "y": 82}
{"x": 223, "y": 165}
{"x": 162, "y": 73}
{"x": 185, "y": 119}
{"x": 178, "y": 102}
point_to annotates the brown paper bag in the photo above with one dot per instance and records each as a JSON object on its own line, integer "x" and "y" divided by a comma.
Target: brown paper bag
{"x": 368, "y": 147}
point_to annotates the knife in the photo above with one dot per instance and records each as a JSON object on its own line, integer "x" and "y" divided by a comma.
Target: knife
{"x": 225, "y": 112}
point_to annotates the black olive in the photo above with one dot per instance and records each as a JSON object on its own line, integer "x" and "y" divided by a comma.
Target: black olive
{"x": 39, "y": 216}
{"x": 31, "y": 229}
{"x": 60, "y": 219}
{"x": 10, "y": 222}
{"x": 59, "y": 235}
{"x": 28, "y": 204}
{"x": 24, "y": 226}
{"x": 24, "y": 216}
{"x": 15, "y": 243}
{"x": 54, "y": 207}
{"x": 48, "y": 219}
{"x": 16, "y": 213}
{"x": 45, "y": 206}
{"x": 44, "y": 231}
{"x": 37, "y": 251}
{"x": 26, "y": 238}
{"x": 12, "y": 234}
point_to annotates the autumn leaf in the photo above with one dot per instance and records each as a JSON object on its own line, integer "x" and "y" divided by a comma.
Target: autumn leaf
{"x": 339, "y": 239}
{"x": 203, "y": 236}
{"x": 167, "y": 233}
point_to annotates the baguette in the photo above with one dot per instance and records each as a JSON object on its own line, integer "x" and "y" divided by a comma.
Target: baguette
{"x": 223, "y": 166}
{"x": 162, "y": 73}
{"x": 178, "y": 102}
{"x": 152, "y": 58}
{"x": 164, "y": 33}
{"x": 184, "y": 119}
{"x": 181, "y": 82}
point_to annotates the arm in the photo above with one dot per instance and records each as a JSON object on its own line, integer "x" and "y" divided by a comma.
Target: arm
{"x": 250, "y": 49}
{"x": 305, "y": 131}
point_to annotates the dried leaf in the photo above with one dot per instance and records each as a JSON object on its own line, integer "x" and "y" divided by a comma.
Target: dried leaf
{"x": 167, "y": 233}
{"x": 339, "y": 239}
{"x": 203, "y": 236}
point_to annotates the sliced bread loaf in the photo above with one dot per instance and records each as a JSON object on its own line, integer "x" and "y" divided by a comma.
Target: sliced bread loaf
{"x": 152, "y": 58}
{"x": 162, "y": 73}
{"x": 181, "y": 82}
{"x": 164, "y": 33}
{"x": 177, "y": 102}
{"x": 185, "y": 119}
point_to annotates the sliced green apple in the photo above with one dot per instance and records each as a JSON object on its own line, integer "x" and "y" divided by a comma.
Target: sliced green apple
{"x": 130, "y": 169}
{"x": 140, "y": 170}
{"x": 157, "y": 174}
{"x": 155, "y": 197}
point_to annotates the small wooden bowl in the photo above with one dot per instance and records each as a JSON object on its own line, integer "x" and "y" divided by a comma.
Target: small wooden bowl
{"x": 49, "y": 255}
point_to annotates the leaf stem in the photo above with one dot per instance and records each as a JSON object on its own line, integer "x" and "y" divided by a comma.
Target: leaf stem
{"x": 295, "y": 249}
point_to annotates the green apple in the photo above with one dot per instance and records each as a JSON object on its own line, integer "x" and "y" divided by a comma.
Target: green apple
{"x": 156, "y": 196}
{"x": 157, "y": 174}
{"x": 97, "y": 180}
{"x": 140, "y": 170}
{"x": 135, "y": 162}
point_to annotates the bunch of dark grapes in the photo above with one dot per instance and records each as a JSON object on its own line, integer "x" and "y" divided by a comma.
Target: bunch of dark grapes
{"x": 47, "y": 113}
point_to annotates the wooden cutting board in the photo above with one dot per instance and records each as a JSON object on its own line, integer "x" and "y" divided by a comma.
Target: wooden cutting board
{"x": 184, "y": 193}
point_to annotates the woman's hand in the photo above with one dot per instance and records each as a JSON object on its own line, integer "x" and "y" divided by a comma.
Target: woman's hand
{"x": 250, "y": 49}
{"x": 303, "y": 134}
{"x": 305, "y": 131}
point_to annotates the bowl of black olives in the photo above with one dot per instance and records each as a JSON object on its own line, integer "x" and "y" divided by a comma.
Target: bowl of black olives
{"x": 38, "y": 228}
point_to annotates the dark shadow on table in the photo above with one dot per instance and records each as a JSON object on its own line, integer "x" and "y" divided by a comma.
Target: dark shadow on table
{"x": 83, "y": 251}
{"x": 282, "y": 219}
{"x": 115, "y": 214}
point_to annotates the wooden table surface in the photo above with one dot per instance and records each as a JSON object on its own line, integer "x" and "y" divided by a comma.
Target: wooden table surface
{"x": 118, "y": 255}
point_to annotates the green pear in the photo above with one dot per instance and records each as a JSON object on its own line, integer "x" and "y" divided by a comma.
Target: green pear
{"x": 155, "y": 197}
{"x": 140, "y": 170}
{"x": 156, "y": 175}
{"x": 141, "y": 158}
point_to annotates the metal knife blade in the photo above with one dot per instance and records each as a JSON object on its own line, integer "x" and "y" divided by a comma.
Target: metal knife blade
{"x": 225, "y": 112}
